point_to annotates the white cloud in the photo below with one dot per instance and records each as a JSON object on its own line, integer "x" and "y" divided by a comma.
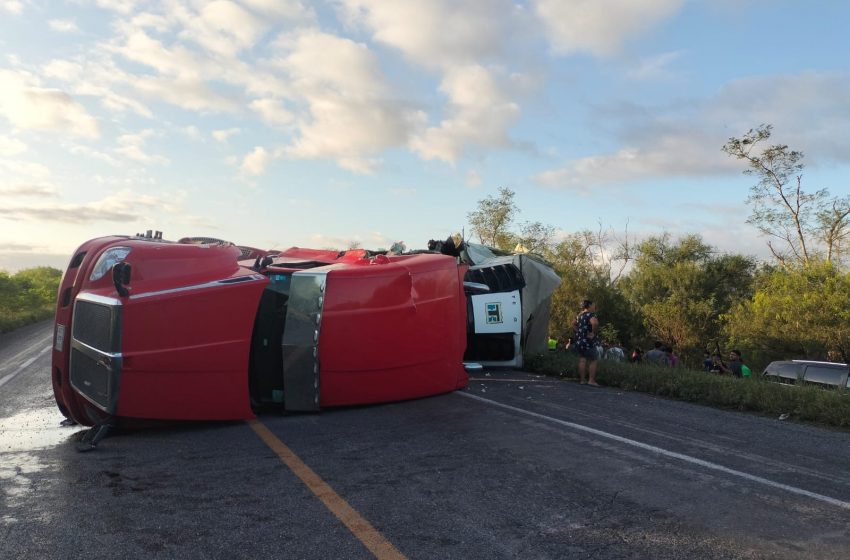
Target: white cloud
{"x": 223, "y": 135}
{"x": 480, "y": 113}
{"x": 28, "y": 106}
{"x": 653, "y": 67}
{"x": 63, "y": 25}
{"x": 97, "y": 79}
{"x": 684, "y": 140}
{"x": 132, "y": 146}
{"x": 29, "y": 190}
{"x": 292, "y": 10}
{"x": 272, "y": 112}
{"x": 12, "y": 6}
{"x": 438, "y": 33}
{"x": 256, "y": 162}
{"x": 121, "y": 6}
{"x": 11, "y": 146}
{"x": 473, "y": 178}
{"x": 193, "y": 95}
{"x": 123, "y": 207}
{"x": 87, "y": 151}
{"x": 362, "y": 165}
{"x": 64, "y": 70}
{"x": 221, "y": 27}
{"x": 472, "y": 59}
{"x": 350, "y": 111}
{"x": 599, "y": 27}
{"x": 192, "y": 132}
{"x": 24, "y": 169}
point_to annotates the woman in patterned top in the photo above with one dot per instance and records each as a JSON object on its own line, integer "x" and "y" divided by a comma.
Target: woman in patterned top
{"x": 587, "y": 328}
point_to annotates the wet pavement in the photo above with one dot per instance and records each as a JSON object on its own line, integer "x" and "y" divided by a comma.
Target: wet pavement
{"x": 516, "y": 466}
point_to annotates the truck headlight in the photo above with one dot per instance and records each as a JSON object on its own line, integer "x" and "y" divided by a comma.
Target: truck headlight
{"x": 107, "y": 260}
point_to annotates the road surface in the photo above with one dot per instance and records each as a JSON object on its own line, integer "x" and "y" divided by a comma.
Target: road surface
{"x": 516, "y": 466}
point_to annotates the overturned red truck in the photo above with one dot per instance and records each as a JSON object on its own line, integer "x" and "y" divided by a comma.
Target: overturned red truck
{"x": 202, "y": 329}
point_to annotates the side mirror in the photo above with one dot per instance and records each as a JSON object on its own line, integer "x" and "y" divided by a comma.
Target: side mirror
{"x": 121, "y": 277}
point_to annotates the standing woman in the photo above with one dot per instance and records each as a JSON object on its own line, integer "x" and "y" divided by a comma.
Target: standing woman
{"x": 587, "y": 330}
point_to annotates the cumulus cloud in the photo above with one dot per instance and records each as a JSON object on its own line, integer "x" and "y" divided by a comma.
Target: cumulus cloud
{"x": 28, "y": 106}
{"x": 286, "y": 10}
{"x": 438, "y": 33}
{"x": 474, "y": 65}
{"x": 99, "y": 79}
{"x": 272, "y": 112}
{"x": 12, "y": 6}
{"x": 222, "y": 27}
{"x": 63, "y": 25}
{"x": 684, "y": 140}
{"x": 11, "y": 146}
{"x": 599, "y": 27}
{"x": 480, "y": 113}
{"x": 351, "y": 113}
{"x": 674, "y": 156}
{"x": 26, "y": 169}
{"x": 256, "y": 162}
{"x": 87, "y": 151}
{"x": 121, "y": 6}
{"x": 132, "y": 147}
{"x": 223, "y": 135}
{"x": 193, "y": 95}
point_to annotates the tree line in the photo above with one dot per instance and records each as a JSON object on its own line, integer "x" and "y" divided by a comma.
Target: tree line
{"x": 689, "y": 295}
{"x": 27, "y": 296}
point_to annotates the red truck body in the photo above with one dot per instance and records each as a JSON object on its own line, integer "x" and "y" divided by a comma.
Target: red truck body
{"x": 147, "y": 328}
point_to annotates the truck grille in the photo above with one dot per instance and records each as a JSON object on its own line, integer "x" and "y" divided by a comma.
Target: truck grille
{"x": 93, "y": 325}
{"x": 96, "y": 360}
{"x": 90, "y": 378}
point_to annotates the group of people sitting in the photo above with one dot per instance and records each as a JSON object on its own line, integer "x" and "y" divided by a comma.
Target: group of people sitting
{"x": 714, "y": 363}
{"x": 661, "y": 355}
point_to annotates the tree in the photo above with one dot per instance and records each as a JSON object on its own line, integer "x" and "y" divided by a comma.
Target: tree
{"x": 492, "y": 220}
{"x": 535, "y": 237}
{"x": 802, "y": 313}
{"x": 28, "y": 296}
{"x": 590, "y": 265}
{"x": 682, "y": 288}
{"x": 39, "y": 285}
{"x": 805, "y": 224}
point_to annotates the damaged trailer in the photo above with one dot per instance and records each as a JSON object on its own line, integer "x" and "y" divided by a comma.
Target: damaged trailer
{"x": 153, "y": 329}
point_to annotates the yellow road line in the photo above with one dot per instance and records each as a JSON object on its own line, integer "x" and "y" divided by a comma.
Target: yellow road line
{"x": 362, "y": 529}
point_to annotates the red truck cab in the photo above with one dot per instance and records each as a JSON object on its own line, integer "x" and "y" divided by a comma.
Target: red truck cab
{"x": 147, "y": 328}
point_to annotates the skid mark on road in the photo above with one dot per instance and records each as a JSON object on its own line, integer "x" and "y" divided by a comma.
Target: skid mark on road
{"x": 666, "y": 452}
{"x": 370, "y": 537}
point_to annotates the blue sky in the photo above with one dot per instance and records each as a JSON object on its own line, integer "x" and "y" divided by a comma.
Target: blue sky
{"x": 281, "y": 123}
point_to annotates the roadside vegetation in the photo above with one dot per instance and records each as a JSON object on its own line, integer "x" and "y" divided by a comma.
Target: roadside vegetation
{"x": 27, "y": 296}
{"x": 692, "y": 297}
{"x": 826, "y": 407}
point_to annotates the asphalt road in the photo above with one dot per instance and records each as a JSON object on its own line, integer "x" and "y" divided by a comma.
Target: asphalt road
{"x": 516, "y": 466}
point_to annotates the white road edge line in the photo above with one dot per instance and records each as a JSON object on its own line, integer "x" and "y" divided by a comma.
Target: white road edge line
{"x": 7, "y": 363}
{"x": 23, "y": 366}
{"x": 666, "y": 453}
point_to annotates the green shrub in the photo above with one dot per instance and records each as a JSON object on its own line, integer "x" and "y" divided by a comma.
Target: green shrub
{"x": 805, "y": 403}
{"x": 28, "y": 296}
